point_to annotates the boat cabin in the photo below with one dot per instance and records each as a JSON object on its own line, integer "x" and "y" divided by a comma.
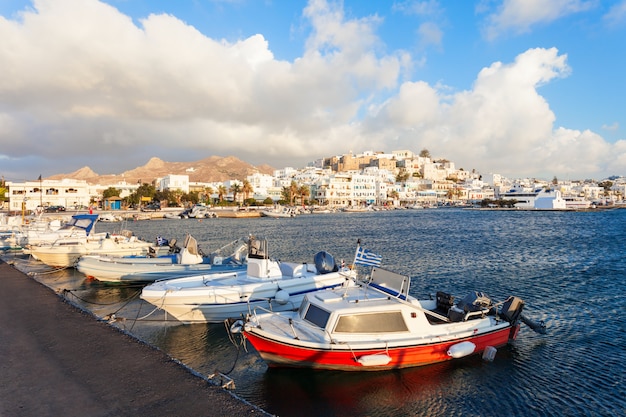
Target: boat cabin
{"x": 382, "y": 306}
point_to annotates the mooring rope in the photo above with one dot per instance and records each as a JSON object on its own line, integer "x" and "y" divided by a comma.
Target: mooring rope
{"x": 72, "y": 292}
{"x": 52, "y": 271}
{"x": 237, "y": 345}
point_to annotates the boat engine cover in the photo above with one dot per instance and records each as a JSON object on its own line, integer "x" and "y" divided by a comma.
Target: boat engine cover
{"x": 325, "y": 263}
{"x": 475, "y": 301}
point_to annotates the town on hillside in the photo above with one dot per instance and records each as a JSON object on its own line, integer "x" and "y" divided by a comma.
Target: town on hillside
{"x": 400, "y": 179}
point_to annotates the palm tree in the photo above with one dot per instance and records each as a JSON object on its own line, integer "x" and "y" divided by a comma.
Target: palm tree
{"x": 208, "y": 191}
{"x": 235, "y": 189}
{"x": 221, "y": 192}
{"x": 393, "y": 194}
{"x": 293, "y": 191}
{"x": 304, "y": 192}
{"x": 246, "y": 189}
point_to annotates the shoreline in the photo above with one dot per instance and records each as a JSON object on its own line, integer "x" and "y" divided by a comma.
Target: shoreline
{"x": 58, "y": 359}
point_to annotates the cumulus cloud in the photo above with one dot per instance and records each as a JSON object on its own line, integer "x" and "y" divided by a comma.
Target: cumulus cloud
{"x": 83, "y": 84}
{"x": 501, "y": 125}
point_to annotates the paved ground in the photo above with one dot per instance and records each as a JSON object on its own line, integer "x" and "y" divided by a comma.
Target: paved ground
{"x": 56, "y": 360}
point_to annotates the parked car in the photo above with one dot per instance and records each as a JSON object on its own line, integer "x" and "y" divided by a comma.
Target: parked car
{"x": 54, "y": 209}
{"x": 152, "y": 207}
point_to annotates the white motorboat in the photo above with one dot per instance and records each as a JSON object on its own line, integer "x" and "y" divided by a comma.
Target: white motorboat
{"x": 65, "y": 252}
{"x": 79, "y": 226}
{"x": 109, "y": 217}
{"x": 189, "y": 260}
{"x": 279, "y": 212}
{"x": 266, "y": 283}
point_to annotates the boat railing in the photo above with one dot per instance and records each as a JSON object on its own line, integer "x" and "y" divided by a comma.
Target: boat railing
{"x": 413, "y": 305}
{"x": 305, "y": 326}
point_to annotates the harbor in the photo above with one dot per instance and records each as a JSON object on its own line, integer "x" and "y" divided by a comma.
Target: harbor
{"x": 565, "y": 265}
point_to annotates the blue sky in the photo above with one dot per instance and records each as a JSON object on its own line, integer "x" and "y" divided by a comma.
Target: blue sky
{"x": 516, "y": 87}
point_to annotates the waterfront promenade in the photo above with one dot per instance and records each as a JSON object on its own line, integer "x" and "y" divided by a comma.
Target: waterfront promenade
{"x": 57, "y": 360}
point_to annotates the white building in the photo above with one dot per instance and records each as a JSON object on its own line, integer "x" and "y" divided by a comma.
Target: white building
{"x": 335, "y": 190}
{"x": 31, "y": 194}
{"x": 174, "y": 182}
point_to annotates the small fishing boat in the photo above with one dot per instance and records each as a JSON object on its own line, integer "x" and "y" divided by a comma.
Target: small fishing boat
{"x": 279, "y": 212}
{"x": 376, "y": 325}
{"x": 267, "y": 283}
{"x": 182, "y": 262}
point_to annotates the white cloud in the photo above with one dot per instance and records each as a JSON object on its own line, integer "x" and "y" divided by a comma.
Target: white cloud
{"x": 518, "y": 16}
{"x": 501, "y": 125}
{"x": 81, "y": 79}
{"x": 430, "y": 34}
{"x": 611, "y": 128}
{"x": 617, "y": 14}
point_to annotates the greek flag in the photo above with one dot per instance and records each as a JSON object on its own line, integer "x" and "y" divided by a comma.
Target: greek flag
{"x": 366, "y": 257}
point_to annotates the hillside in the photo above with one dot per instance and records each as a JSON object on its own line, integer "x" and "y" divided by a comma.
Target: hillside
{"x": 211, "y": 169}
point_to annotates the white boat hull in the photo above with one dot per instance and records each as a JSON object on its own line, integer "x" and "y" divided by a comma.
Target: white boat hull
{"x": 217, "y": 297}
{"x": 110, "y": 269}
{"x": 68, "y": 255}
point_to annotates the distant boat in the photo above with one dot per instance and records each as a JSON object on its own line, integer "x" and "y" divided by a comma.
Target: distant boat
{"x": 279, "y": 212}
{"x": 357, "y": 209}
{"x": 537, "y": 199}
{"x": 577, "y": 203}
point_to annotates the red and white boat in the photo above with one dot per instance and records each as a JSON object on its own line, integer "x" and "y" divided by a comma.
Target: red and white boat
{"x": 377, "y": 325}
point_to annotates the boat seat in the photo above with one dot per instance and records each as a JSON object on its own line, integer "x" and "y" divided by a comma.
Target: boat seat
{"x": 293, "y": 270}
{"x": 444, "y": 302}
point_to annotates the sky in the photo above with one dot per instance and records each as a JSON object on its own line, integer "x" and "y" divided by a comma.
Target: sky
{"x": 521, "y": 88}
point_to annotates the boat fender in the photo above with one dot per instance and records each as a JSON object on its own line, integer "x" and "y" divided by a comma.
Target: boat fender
{"x": 236, "y": 327}
{"x": 282, "y": 297}
{"x": 489, "y": 354}
{"x": 461, "y": 349}
{"x": 377, "y": 359}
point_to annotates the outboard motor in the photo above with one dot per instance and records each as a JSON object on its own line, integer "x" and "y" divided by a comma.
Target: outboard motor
{"x": 471, "y": 303}
{"x": 325, "y": 263}
{"x": 474, "y": 301}
{"x": 512, "y": 309}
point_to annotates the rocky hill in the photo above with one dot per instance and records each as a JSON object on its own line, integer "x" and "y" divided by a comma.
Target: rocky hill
{"x": 211, "y": 169}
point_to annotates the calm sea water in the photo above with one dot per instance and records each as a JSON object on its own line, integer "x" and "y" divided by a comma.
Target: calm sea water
{"x": 568, "y": 267}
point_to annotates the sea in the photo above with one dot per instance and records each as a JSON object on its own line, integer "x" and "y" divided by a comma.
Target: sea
{"x": 568, "y": 267}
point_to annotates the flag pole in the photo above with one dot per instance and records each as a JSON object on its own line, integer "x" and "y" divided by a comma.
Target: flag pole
{"x": 40, "y": 193}
{"x": 356, "y": 253}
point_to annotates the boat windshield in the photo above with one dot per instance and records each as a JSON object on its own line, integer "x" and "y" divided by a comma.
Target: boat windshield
{"x": 380, "y": 322}
{"x": 316, "y": 316}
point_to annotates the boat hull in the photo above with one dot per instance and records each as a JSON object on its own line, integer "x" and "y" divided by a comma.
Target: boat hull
{"x": 346, "y": 357}
{"x": 230, "y": 296}
{"x": 144, "y": 270}
{"x": 59, "y": 256}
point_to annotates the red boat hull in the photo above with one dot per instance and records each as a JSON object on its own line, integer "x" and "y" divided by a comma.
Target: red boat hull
{"x": 278, "y": 354}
